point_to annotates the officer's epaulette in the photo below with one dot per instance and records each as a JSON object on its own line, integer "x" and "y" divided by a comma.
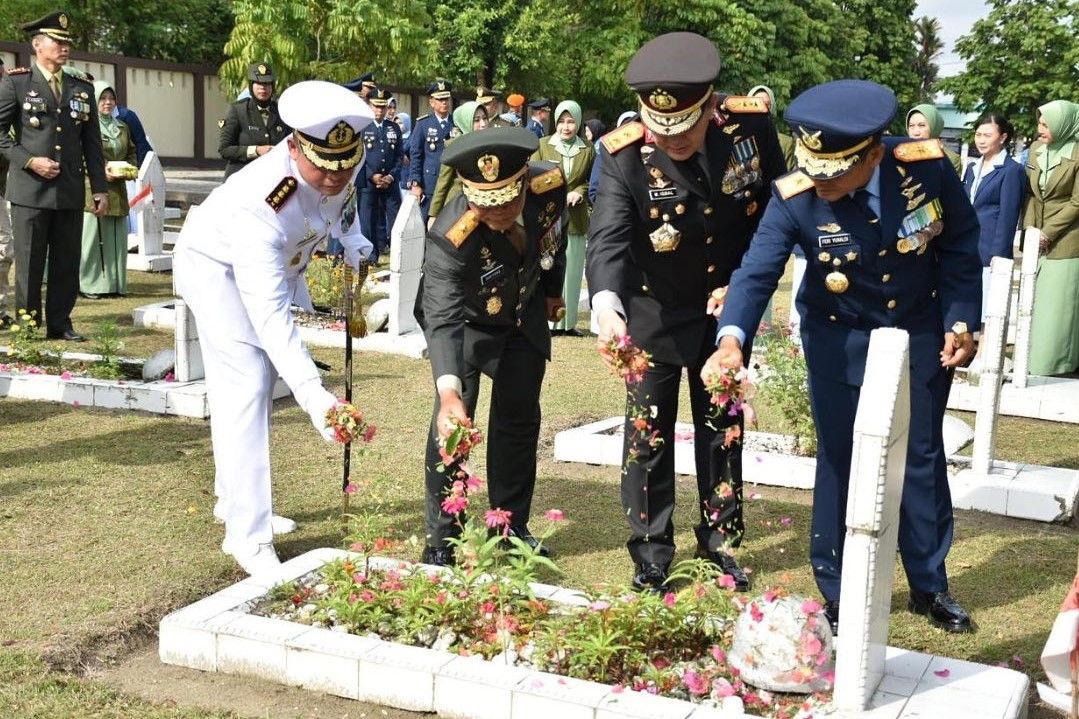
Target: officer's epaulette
{"x": 461, "y": 229}
{"x": 18, "y": 71}
{"x": 547, "y": 181}
{"x": 919, "y": 150}
{"x": 78, "y": 74}
{"x": 744, "y": 104}
{"x": 793, "y": 183}
{"x": 623, "y": 136}
{"x": 277, "y": 199}
{"x": 422, "y": 116}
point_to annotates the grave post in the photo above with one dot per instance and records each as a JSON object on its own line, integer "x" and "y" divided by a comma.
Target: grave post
{"x": 993, "y": 340}
{"x": 1029, "y": 272}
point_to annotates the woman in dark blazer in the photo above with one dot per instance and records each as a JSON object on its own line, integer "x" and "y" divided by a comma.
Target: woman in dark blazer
{"x": 996, "y": 185}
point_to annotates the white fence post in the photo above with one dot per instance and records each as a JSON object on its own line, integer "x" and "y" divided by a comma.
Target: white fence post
{"x": 992, "y": 375}
{"x": 1021, "y": 359}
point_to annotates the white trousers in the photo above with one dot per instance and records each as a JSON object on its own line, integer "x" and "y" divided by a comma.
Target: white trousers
{"x": 239, "y": 384}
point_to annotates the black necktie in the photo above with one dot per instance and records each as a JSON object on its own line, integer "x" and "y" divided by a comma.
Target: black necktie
{"x": 861, "y": 198}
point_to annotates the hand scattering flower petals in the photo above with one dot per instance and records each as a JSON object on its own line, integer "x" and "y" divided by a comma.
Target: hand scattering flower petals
{"x": 348, "y": 423}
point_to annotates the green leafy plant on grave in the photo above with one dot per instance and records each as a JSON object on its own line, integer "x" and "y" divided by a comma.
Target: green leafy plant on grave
{"x": 784, "y": 383}
{"x": 326, "y": 282}
{"x": 107, "y": 344}
{"x": 24, "y": 340}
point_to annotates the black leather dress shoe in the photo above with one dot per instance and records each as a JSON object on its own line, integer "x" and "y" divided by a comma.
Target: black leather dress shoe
{"x": 943, "y": 611}
{"x": 831, "y": 613}
{"x": 574, "y": 332}
{"x": 525, "y": 536}
{"x": 438, "y": 556}
{"x": 729, "y": 565}
{"x": 67, "y": 335}
{"x": 650, "y": 577}
{"x": 6, "y": 321}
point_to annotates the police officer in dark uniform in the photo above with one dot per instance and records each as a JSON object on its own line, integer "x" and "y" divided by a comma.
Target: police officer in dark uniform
{"x": 380, "y": 198}
{"x": 49, "y": 133}
{"x": 428, "y": 138}
{"x": 253, "y": 126}
{"x": 892, "y": 241}
{"x": 541, "y": 110}
{"x": 679, "y": 199}
{"x": 492, "y": 279}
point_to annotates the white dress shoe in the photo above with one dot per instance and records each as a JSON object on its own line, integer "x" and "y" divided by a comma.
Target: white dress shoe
{"x": 278, "y": 524}
{"x": 264, "y": 561}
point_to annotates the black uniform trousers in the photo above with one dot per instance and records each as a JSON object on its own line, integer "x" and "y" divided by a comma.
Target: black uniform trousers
{"x": 925, "y": 515}
{"x": 511, "y": 438}
{"x": 55, "y": 236}
{"x": 378, "y": 211}
{"x": 648, "y": 484}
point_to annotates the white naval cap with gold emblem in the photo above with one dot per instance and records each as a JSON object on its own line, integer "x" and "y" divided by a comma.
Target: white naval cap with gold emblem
{"x": 326, "y": 120}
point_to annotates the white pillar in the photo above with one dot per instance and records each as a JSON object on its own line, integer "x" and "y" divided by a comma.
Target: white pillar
{"x": 1021, "y": 358}
{"x": 878, "y": 463}
{"x": 188, "y": 353}
{"x": 989, "y": 381}
{"x": 407, "y": 238}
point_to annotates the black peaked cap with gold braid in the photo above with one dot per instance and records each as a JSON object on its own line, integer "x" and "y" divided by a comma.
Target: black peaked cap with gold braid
{"x": 673, "y": 75}
{"x": 491, "y": 164}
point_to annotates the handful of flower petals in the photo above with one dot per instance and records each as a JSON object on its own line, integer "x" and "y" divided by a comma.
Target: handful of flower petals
{"x": 348, "y": 423}
{"x": 625, "y": 359}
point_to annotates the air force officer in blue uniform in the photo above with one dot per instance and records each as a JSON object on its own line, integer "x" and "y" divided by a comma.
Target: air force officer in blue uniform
{"x": 892, "y": 241}
{"x": 380, "y": 198}
{"x": 426, "y": 143}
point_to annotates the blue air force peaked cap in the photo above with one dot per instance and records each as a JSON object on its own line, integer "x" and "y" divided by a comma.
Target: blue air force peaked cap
{"x": 835, "y": 123}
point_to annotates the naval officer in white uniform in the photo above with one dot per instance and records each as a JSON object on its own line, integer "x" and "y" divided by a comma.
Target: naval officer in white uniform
{"x": 239, "y": 265}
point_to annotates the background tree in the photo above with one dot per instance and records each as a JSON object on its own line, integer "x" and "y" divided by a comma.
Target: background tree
{"x": 928, "y": 48}
{"x": 1023, "y": 54}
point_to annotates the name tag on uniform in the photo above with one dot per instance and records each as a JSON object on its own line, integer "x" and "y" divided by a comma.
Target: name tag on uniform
{"x": 833, "y": 240}
{"x": 666, "y": 193}
{"x": 493, "y": 275}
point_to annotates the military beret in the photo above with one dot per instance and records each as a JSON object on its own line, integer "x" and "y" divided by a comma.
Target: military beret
{"x": 834, "y": 123}
{"x": 673, "y": 76}
{"x": 55, "y": 25}
{"x": 540, "y": 103}
{"x": 439, "y": 89}
{"x": 260, "y": 72}
{"x": 515, "y": 100}
{"x": 491, "y": 164}
{"x": 327, "y": 120}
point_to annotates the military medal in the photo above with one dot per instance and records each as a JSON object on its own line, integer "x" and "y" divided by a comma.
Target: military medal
{"x": 836, "y": 282}
{"x": 546, "y": 262}
{"x": 915, "y": 201}
{"x": 34, "y": 122}
{"x": 26, "y": 106}
{"x": 653, "y": 212}
{"x": 824, "y": 257}
{"x": 904, "y": 246}
{"x": 665, "y": 238}
{"x": 494, "y": 306}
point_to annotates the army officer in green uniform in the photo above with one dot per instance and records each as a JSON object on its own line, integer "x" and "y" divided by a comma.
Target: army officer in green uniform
{"x": 49, "y": 133}
{"x": 253, "y": 126}
{"x": 492, "y": 279}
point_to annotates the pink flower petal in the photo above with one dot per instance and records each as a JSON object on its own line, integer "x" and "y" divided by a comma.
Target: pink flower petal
{"x": 755, "y": 495}
{"x": 65, "y": 375}
{"x": 943, "y": 673}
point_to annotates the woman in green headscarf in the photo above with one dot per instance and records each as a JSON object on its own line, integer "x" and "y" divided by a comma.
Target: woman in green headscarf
{"x": 575, "y": 156}
{"x": 925, "y": 123}
{"x": 469, "y": 117}
{"x": 1053, "y": 208}
{"x": 103, "y": 269}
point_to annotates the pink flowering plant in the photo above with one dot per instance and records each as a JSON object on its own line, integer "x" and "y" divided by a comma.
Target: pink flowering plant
{"x": 784, "y": 383}
{"x": 349, "y": 424}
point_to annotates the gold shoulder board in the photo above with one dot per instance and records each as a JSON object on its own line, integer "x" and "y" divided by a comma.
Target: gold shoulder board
{"x": 281, "y": 193}
{"x": 547, "y": 181}
{"x": 793, "y": 183}
{"x": 18, "y": 71}
{"x": 623, "y": 136}
{"x": 739, "y": 103}
{"x": 919, "y": 150}
{"x": 461, "y": 229}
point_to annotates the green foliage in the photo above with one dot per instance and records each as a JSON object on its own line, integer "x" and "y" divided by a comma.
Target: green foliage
{"x": 24, "y": 343}
{"x": 107, "y": 344}
{"x": 1023, "y": 54}
{"x": 784, "y": 385}
{"x": 326, "y": 282}
{"x": 928, "y": 43}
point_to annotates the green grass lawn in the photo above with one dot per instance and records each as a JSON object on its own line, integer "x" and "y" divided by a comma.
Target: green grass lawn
{"x": 106, "y": 525}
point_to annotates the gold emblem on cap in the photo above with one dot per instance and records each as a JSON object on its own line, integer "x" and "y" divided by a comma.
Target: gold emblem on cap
{"x": 662, "y": 100}
{"x": 488, "y": 165}
{"x": 811, "y": 139}
{"x": 261, "y": 69}
{"x": 441, "y": 85}
{"x": 494, "y": 305}
{"x": 63, "y": 21}
{"x": 836, "y": 282}
{"x": 341, "y": 135}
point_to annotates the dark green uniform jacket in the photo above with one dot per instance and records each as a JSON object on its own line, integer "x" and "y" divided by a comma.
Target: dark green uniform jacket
{"x": 244, "y": 129}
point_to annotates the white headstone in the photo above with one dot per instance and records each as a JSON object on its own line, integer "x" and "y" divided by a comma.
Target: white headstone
{"x": 188, "y": 353}
{"x": 147, "y": 200}
{"x": 407, "y": 239}
{"x": 1026, "y": 307}
{"x": 992, "y": 374}
{"x": 878, "y": 463}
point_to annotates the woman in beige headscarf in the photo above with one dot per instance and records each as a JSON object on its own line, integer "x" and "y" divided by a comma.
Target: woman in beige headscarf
{"x": 1053, "y": 208}
{"x": 103, "y": 268}
{"x": 575, "y": 157}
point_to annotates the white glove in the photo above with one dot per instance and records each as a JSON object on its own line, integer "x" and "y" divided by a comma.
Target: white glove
{"x": 359, "y": 252}
{"x": 318, "y": 405}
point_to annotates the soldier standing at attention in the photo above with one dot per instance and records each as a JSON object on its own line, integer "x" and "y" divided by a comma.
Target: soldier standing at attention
{"x": 253, "y": 125}
{"x": 428, "y": 138}
{"x": 892, "y": 241}
{"x": 679, "y": 199}
{"x": 541, "y": 111}
{"x": 49, "y": 133}
{"x": 380, "y": 198}
{"x": 492, "y": 278}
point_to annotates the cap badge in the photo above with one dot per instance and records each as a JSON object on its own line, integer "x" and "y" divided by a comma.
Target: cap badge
{"x": 662, "y": 100}
{"x": 340, "y": 135}
{"x": 63, "y": 21}
{"x": 262, "y": 69}
{"x": 488, "y": 165}
{"x": 811, "y": 139}
{"x": 441, "y": 85}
